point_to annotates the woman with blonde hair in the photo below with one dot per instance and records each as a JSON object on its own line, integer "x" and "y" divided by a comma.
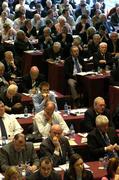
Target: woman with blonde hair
{"x": 12, "y": 173}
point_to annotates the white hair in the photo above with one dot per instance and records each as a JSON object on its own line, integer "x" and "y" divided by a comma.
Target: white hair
{"x": 101, "y": 120}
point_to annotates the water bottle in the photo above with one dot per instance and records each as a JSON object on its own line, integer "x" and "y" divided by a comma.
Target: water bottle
{"x": 65, "y": 108}
{"x": 25, "y": 111}
{"x": 72, "y": 131}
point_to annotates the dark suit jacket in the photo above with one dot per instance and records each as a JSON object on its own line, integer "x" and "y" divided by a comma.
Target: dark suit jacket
{"x": 111, "y": 47}
{"x": 115, "y": 19}
{"x": 9, "y": 157}
{"x": 96, "y": 142}
{"x": 37, "y": 176}
{"x": 98, "y": 56}
{"x": 69, "y": 66}
{"x": 27, "y": 82}
{"x": 114, "y": 79}
{"x": 86, "y": 175}
{"x": 47, "y": 149}
{"x": 90, "y": 116}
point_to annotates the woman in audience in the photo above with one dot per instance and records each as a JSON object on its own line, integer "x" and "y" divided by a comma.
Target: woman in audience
{"x": 8, "y": 33}
{"x": 112, "y": 167}
{"x": 12, "y": 173}
{"x": 76, "y": 169}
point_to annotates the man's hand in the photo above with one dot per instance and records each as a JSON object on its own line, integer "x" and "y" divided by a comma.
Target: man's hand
{"x": 102, "y": 61}
{"x": 109, "y": 148}
{"x": 56, "y": 143}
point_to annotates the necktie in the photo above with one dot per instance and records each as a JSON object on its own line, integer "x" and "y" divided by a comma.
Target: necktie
{"x": 107, "y": 141}
{"x": 3, "y": 130}
{"x": 77, "y": 66}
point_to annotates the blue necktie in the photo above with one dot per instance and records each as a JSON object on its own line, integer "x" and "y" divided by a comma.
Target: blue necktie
{"x": 77, "y": 66}
{"x": 3, "y": 130}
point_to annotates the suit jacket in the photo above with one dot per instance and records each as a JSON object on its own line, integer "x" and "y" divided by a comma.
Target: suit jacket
{"x": 47, "y": 149}
{"x": 90, "y": 116}
{"x": 111, "y": 46}
{"x": 37, "y": 176}
{"x": 114, "y": 79}
{"x": 96, "y": 142}
{"x": 27, "y": 82}
{"x": 9, "y": 157}
{"x": 86, "y": 175}
{"x": 69, "y": 66}
{"x": 115, "y": 19}
{"x": 98, "y": 56}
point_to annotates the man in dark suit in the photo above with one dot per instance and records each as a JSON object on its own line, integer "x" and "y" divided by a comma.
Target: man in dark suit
{"x": 115, "y": 17}
{"x": 103, "y": 140}
{"x": 102, "y": 57}
{"x": 113, "y": 43}
{"x": 32, "y": 80}
{"x": 45, "y": 171}
{"x": 56, "y": 146}
{"x": 19, "y": 152}
{"x": 99, "y": 107}
{"x": 72, "y": 66}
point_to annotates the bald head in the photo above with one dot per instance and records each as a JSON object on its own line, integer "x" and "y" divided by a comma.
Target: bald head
{"x": 34, "y": 72}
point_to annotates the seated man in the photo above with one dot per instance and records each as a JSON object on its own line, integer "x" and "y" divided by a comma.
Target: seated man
{"x": 99, "y": 107}
{"x": 47, "y": 117}
{"x": 12, "y": 100}
{"x": 103, "y": 140}
{"x": 19, "y": 152}
{"x": 10, "y": 67}
{"x": 72, "y": 66}
{"x": 40, "y": 99}
{"x": 56, "y": 146}
{"x": 102, "y": 57}
{"x": 9, "y": 126}
{"x": 45, "y": 171}
{"x": 32, "y": 80}
{"x": 3, "y": 83}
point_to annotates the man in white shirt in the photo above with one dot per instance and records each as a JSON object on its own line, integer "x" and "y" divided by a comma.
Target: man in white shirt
{"x": 9, "y": 126}
{"x": 46, "y": 118}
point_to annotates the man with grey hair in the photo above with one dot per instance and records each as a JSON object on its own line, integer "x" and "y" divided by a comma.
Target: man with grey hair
{"x": 103, "y": 140}
{"x": 12, "y": 99}
{"x": 99, "y": 107}
{"x": 102, "y": 57}
{"x": 54, "y": 53}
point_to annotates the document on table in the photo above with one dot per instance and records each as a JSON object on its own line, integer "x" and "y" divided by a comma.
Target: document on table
{"x": 72, "y": 142}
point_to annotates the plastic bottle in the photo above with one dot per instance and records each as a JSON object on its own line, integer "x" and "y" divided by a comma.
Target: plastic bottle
{"x": 72, "y": 131}
{"x": 65, "y": 108}
{"x": 25, "y": 111}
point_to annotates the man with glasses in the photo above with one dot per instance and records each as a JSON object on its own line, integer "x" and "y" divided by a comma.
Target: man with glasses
{"x": 56, "y": 146}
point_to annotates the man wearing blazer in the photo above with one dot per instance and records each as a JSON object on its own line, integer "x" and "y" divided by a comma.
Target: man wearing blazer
{"x": 103, "y": 140}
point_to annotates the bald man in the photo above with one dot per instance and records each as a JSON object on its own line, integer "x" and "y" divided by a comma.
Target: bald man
{"x": 32, "y": 80}
{"x": 56, "y": 146}
{"x": 12, "y": 99}
{"x": 47, "y": 117}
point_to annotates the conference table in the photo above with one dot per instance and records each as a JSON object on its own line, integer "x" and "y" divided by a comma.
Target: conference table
{"x": 94, "y": 85}
{"x": 69, "y": 119}
{"x": 113, "y": 97}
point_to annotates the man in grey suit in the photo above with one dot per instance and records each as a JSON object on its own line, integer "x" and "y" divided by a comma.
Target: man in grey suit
{"x": 19, "y": 152}
{"x": 56, "y": 146}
